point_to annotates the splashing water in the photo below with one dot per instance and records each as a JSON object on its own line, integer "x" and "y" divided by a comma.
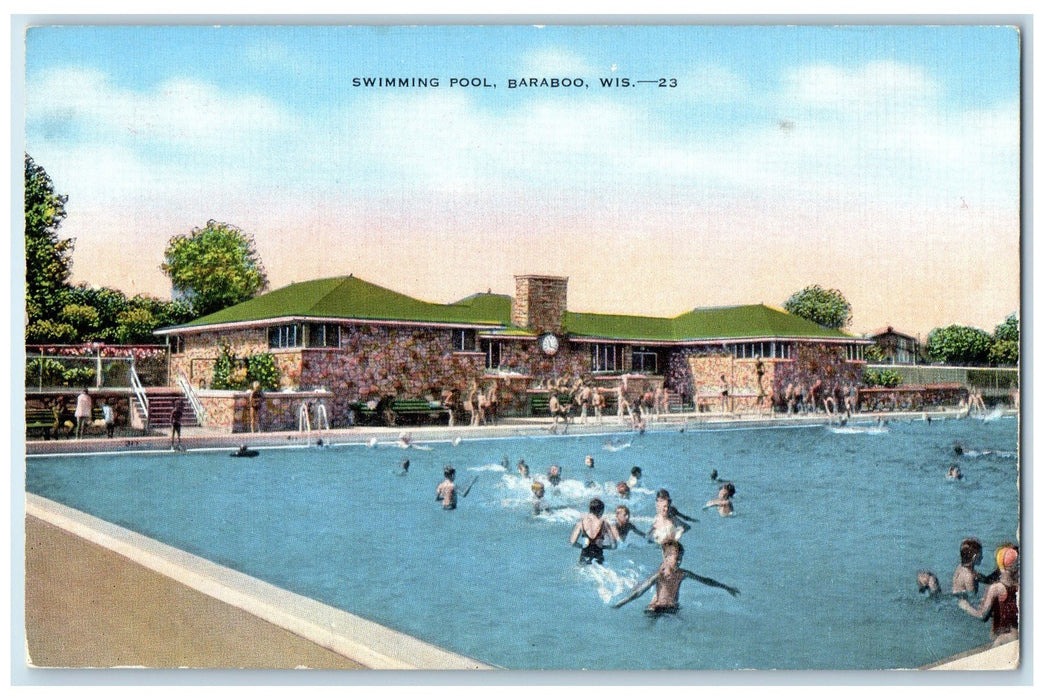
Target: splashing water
{"x": 608, "y": 582}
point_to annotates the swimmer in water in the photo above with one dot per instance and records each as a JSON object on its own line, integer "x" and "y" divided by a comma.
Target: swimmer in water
{"x": 954, "y": 472}
{"x": 523, "y": 469}
{"x": 244, "y": 451}
{"x": 623, "y": 525}
{"x": 538, "y": 500}
{"x": 554, "y": 475}
{"x": 405, "y": 467}
{"x": 589, "y": 462}
{"x": 447, "y": 490}
{"x": 623, "y": 490}
{"x": 405, "y": 440}
{"x": 598, "y": 533}
{"x": 668, "y": 580}
{"x": 667, "y": 524}
{"x": 957, "y": 449}
{"x": 1000, "y": 602}
{"x": 724, "y": 500}
{"x": 927, "y": 582}
{"x": 965, "y": 578}
{"x": 635, "y": 479}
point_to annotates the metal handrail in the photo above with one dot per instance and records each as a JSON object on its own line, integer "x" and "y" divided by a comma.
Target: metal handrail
{"x": 190, "y": 394}
{"x": 139, "y": 392}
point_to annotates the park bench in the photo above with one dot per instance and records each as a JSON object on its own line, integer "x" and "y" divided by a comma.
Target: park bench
{"x": 38, "y": 421}
{"x": 399, "y": 412}
{"x": 539, "y": 403}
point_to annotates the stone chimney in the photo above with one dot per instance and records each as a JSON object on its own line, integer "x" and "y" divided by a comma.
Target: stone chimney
{"x": 540, "y": 303}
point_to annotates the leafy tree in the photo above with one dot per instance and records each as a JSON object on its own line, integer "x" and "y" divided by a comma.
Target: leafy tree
{"x": 48, "y": 258}
{"x": 1004, "y": 353}
{"x": 214, "y": 267}
{"x": 827, "y": 307}
{"x": 958, "y": 345}
{"x": 1005, "y": 349}
{"x": 81, "y": 317}
{"x": 45, "y": 330}
{"x": 1009, "y": 330}
{"x": 135, "y": 325}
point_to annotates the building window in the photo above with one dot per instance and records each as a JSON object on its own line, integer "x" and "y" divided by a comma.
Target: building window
{"x": 854, "y": 352}
{"x": 286, "y": 336}
{"x": 177, "y": 344}
{"x": 644, "y": 360}
{"x": 605, "y": 357}
{"x": 324, "y": 335}
{"x": 463, "y": 339}
{"x": 493, "y": 350}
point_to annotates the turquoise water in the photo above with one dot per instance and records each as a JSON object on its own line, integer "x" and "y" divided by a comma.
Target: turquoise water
{"x": 830, "y": 530}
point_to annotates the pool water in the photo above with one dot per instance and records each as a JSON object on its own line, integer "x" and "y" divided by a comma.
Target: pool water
{"x": 830, "y": 530}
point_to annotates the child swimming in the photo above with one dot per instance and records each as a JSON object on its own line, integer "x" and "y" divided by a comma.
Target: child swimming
{"x": 668, "y": 580}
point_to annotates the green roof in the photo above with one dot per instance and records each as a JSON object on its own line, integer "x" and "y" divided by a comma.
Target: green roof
{"x": 352, "y": 298}
{"x": 751, "y": 321}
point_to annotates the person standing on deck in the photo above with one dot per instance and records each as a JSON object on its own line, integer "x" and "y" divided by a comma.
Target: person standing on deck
{"x": 110, "y": 418}
{"x": 83, "y": 412}
{"x": 175, "y": 423}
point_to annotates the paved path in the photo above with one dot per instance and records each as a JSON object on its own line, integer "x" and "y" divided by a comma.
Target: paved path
{"x": 86, "y": 606}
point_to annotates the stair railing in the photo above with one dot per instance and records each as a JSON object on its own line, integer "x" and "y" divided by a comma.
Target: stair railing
{"x": 139, "y": 393}
{"x": 193, "y": 398}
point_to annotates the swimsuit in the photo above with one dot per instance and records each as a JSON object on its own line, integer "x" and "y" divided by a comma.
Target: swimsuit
{"x": 593, "y": 550}
{"x": 1005, "y": 612}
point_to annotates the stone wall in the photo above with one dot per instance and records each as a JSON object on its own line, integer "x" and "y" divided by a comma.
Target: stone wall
{"x": 539, "y": 303}
{"x": 825, "y": 363}
{"x": 201, "y": 351}
{"x": 278, "y": 410}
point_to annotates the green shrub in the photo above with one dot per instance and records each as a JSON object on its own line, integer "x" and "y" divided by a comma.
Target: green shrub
{"x": 882, "y": 377}
{"x": 79, "y": 376}
{"x": 223, "y": 369}
{"x": 44, "y": 370}
{"x": 261, "y": 368}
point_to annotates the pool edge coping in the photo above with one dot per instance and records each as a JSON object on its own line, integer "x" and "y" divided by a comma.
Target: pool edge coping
{"x": 369, "y": 643}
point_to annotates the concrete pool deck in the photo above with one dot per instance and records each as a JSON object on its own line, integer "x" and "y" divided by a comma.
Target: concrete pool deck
{"x": 99, "y": 596}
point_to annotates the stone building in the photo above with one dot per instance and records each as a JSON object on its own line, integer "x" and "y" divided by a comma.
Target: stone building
{"x": 353, "y": 341}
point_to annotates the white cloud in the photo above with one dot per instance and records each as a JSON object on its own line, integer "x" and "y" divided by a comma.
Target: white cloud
{"x": 84, "y": 105}
{"x": 875, "y": 85}
{"x": 716, "y": 85}
{"x": 557, "y": 62}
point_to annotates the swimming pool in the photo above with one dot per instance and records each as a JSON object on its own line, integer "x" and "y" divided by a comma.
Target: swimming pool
{"x": 831, "y": 528}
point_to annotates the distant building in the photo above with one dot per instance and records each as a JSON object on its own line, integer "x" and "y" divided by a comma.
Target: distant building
{"x": 897, "y": 348}
{"x": 362, "y": 342}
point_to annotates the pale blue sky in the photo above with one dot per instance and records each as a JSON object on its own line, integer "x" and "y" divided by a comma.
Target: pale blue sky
{"x": 881, "y": 160}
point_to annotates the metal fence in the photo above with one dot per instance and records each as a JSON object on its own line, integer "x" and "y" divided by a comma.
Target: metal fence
{"x": 992, "y": 380}
{"x": 50, "y": 371}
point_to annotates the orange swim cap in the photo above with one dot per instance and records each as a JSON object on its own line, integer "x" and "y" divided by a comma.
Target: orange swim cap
{"x": 1006, "y": 557}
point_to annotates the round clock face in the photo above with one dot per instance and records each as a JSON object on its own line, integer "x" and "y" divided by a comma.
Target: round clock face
{"x": 549, "y": 344}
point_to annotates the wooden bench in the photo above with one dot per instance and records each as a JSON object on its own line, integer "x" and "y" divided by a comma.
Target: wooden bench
{"x": 399, "y": 411}
{"x": 539, "y": 404}
{"x": 38, "y": 421}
